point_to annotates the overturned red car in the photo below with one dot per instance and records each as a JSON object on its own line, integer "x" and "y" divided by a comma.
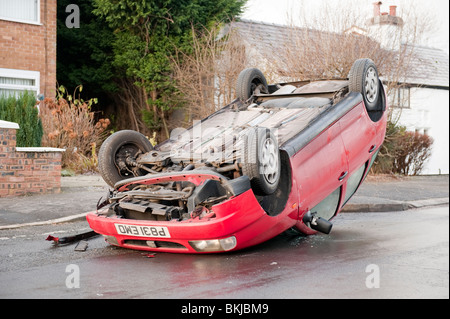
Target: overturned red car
{"x": 281, "y": 156}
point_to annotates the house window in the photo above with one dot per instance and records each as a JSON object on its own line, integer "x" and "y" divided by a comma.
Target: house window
{"x": 25, "y": 11}
{"x": 401, "y": 98}
{"x": 13, "y": 82}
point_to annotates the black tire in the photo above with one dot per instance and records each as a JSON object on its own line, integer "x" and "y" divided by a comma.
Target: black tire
{"x": 115, "y": 149}
{"x": 250, "y": 80}
{"x": 261, "y": 160}
{"x": 363, "y": 78}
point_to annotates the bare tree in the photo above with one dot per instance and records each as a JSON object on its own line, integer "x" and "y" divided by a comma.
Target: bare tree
{"x": 329, "y": 42}
{"x": 325, "y": 46}
{"x": 206, "y": 77}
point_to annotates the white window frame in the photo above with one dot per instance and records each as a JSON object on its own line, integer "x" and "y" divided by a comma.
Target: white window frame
{"x": 402, "y": 97}
{"x": 21, "y": 74}
{"x": 38, "y": 22}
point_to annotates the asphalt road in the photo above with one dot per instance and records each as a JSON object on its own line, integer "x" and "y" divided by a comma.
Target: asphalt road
{"x": 367, "y": 255}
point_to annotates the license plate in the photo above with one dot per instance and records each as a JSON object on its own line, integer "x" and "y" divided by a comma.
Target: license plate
{"x": 142, "y": 231}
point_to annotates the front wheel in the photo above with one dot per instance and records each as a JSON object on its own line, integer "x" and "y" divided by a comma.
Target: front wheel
{"x": 261, "y": 160}
{"x": 117, "y": 154}
{"x": 249, "y": 82}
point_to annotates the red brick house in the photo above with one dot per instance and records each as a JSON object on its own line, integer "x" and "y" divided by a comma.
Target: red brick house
{"x": 27, "y": 62}
{"x": 28, "y": 46}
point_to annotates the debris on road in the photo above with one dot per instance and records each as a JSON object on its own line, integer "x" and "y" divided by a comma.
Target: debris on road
{"x": 81, "y": 246}
{"x": 71, "y": 239}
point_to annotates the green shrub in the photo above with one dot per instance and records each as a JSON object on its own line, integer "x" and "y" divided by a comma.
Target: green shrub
{"x": 403, "y": 152}
{"x": 22, "y": 109}
{"x": 414, "y": 152}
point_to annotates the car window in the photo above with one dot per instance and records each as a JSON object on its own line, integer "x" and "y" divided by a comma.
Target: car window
{"x": 353, "y": 182}
{"x": 328, "y": 207}
{"x": 372, "y": 160}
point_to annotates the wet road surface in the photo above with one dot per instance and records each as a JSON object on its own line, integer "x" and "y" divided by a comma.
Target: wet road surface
{"x": 367, "y": 255}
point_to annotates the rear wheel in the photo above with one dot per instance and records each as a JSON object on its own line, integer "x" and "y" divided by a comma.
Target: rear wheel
{"x": 261, "y": 160}
{"x": 363, "y": 78}
{"x": 250, "y": 81}
{"x": 117, "y": 154}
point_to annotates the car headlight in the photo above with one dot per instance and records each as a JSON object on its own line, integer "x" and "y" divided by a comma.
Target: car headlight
{"x": 207, "y": 245}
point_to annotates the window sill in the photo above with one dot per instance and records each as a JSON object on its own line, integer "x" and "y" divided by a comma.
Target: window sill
{"x": 21, "y": 21}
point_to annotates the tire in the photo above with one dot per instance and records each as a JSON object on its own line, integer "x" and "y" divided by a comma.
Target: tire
{"x": 363, "y": 78}
{"x": 261, "y": 160}
{"x": 115, "y": 149}
{"x": 250, "y": 80}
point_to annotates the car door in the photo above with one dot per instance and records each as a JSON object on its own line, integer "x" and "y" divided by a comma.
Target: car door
{"x": 359, "y": 138}
{"x": 359, "y": 135}
{"x": 319, "y": 169}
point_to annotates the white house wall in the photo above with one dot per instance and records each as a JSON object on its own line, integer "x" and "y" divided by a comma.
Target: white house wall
{"x": 429, "y": 113}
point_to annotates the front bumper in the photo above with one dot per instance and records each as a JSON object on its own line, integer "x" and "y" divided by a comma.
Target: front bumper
{"x": 238, "y": 223}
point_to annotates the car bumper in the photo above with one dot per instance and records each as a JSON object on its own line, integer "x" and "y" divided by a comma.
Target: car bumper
{"x": 240, "y": 222}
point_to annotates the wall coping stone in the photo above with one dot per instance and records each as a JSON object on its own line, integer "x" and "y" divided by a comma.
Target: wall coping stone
{"x": 39, "y": 149}
{"x": 6, "y": 124}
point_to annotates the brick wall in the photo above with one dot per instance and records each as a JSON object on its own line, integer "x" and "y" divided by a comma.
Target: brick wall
{"x": 32, "y": 47}
{"x": 27, "y": 170}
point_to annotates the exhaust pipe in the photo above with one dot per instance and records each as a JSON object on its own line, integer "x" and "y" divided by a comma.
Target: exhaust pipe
{"x": 317, "y": 223}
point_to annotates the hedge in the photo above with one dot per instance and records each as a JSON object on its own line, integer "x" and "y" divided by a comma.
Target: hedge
{"x": 22, "y": 109}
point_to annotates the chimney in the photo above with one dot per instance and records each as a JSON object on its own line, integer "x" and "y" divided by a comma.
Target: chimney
{"x": 376, "y": 8}
{"x": 393, "y": 11}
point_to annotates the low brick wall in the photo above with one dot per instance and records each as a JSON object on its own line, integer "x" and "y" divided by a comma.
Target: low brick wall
{"x": 27, "y": 170}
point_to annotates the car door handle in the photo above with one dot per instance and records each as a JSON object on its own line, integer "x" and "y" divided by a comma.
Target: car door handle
{"x": 343, "y": 176}
{"x": 373, "y": 148}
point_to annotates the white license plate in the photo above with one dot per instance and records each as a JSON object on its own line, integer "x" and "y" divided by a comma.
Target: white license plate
{"x": 142, "y": 231}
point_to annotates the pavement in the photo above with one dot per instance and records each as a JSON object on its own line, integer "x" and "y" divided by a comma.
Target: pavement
{"x": 80, "y": 194}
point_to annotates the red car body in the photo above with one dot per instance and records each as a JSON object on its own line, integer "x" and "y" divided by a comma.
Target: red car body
{"x": 322, "y": 167}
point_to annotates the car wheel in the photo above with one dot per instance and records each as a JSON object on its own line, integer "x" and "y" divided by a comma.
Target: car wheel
{"x": 363, "y": 78}
{"x": 261, "y": 160}
{"x": 116, "y": 153}
{"x": 249, "y": 81}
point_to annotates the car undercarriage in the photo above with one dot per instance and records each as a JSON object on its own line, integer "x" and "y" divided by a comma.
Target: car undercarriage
{"x": 217, "y": 145}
